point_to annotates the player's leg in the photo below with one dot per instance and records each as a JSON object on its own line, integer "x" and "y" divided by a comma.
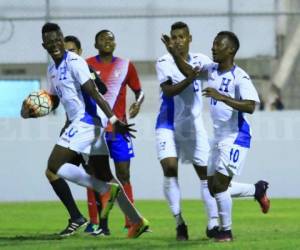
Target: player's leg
{"x": 101, "y": 169}
{"x": 139, "y": 224}
{"x": 228, "y": 160}
{"x": 121, "y": 151}
{"x": 210, "y": 203}
{"x": 123, "y": 175}
{"x": 167, "y": 154}
{"x": 200, "y": 161}
{"x": 257, "y": 190}
{"x": 91, "y": 200}
{"x": 62, "y": 190}
{"x": 219, "y": 186}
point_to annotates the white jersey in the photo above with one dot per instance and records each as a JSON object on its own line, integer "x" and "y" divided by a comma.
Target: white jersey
{"x": 227, "y": 121}
{"x": 186, "y": 106}
{"x": 65, "y": 82}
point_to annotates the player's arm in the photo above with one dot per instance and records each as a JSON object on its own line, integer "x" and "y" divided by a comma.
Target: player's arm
{"x": 55, "y": 101}
{"x": 247, "y": 106}
{"x": 98, "y": 81}
{"x": 135, "y": 107}
{"x": 89, "y": 87}
{"x": 172, "y": 90}
{"x": 185, "y": 68}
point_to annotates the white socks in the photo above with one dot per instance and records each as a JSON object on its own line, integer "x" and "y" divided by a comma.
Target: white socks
{"x": 77, "y": 175}
{"x": 224, "y": 203}
{"x": 210, "y": 205}
{"x": 172, "y": 194}
{"x": 241, "y": 189}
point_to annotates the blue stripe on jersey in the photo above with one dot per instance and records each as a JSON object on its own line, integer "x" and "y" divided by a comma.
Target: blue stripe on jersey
{"x": 165, "y": 118}
{"x": 90, "y": 109}
{"x": 243, "y": 139}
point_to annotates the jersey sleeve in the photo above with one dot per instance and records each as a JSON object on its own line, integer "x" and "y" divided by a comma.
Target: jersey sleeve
{"x": 204, "y": 61}
{"x": 80, "y": 70}
{"x": 163, "y": 70}
{"x": 133, "y": 80}
{"x": 246, "y": 89}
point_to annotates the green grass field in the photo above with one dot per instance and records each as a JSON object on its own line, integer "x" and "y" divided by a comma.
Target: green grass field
{"x": 33, "y": 226}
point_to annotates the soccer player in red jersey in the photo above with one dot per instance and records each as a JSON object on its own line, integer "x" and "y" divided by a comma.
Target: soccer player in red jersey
{"x": 117, "y": 73}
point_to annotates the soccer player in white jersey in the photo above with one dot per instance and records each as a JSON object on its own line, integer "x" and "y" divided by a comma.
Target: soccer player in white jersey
{"x": 232, "y": 96}
{"x": 180, "y": 133}
{"x": 71, "y": 84}
{"x": 258, "y": 190}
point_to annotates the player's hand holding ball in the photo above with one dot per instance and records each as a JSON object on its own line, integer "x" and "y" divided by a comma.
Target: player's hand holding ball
{"x": 37, "y": 104}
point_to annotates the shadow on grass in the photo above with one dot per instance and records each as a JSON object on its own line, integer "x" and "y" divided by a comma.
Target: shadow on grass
{"x": 31, "y": 237}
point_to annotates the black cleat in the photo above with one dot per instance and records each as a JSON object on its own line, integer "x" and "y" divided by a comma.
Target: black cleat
{"x": 182, "y": 232}
{"x": 212, "y": 233}
{"x": 224, "y": 236}
{"x": 261, "y": 195}
{"x": 73, "y": 226}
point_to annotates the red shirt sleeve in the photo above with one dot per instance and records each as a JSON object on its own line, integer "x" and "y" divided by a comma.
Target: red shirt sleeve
{"x": 132, "y": 78}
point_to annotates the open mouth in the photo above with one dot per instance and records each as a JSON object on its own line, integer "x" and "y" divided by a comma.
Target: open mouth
{"x": 56, "y": 52}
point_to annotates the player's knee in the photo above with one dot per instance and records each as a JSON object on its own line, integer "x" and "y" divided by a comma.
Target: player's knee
{"x": 170, "y": 172}
{"x": 170, "y": 167}
{"x": 218, "y": 186}
{"x": 201, "y": 171}
{"x": 51, "y": 176}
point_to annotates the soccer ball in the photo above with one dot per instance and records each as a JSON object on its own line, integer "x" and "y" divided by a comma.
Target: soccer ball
{"x": 40, "y": 103}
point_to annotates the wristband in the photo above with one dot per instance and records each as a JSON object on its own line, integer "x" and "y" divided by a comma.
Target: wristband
{"x": 113, "y": 119}
{"x": 140, "y": 98}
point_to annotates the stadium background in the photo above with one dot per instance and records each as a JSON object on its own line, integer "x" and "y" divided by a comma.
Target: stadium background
{"x": 268, "y": 32}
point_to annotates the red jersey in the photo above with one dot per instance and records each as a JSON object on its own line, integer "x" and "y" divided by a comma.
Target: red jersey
{"x": 116, "y": 75}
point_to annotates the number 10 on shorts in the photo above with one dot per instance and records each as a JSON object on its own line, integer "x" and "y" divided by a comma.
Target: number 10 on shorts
{"x": 234, "y": 155}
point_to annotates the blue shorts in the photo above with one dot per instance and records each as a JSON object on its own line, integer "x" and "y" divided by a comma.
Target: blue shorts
{"x": 119, "y": 149}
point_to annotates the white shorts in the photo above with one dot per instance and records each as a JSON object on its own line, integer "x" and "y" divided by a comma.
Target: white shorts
{"x": 84, "y": 138}
{"x": 226, "y": 158}
{"x": 189, "y": 148}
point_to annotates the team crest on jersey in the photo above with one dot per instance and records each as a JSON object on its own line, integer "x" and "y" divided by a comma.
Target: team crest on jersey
{"x": 117, "y": 73}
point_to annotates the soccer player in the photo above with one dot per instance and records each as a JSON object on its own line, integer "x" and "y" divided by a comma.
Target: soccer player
{"x": 180, "y": 131}
{"x": 59, "y": 185}
{"x": 117, "y": 73}
{"x": 70, "y": 83}
{"x": 232, "y": 96}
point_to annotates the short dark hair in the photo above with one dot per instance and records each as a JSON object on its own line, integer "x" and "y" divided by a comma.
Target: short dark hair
{"x": 48, "y": 27}
{"x": 180, "y": 25}
{"x": 74, "y": 40}
{"x": 101, "y": 32}
{"x": 232, "y": 37}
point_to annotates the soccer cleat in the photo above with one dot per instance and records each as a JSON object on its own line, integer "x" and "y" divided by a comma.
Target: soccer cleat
{"x": 261, "y": 195}
{"x": 182, "y": 232}
{"x": 211, "y": 233}
{"x": 73, "y": 226}
{"x": 136, "y": 229}
{"x": 90, "y": 228}
{"x": 114, "y": 191}
{"x": 224, "y": 236}
{"x": 101, "y": 231}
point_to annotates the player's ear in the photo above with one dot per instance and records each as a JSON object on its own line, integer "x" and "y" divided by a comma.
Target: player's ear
{"x": 80, "y": 52}
{"x": 232, "y": 50}
{"x": 95, "y": 45}
{"x": 190, "y": 38}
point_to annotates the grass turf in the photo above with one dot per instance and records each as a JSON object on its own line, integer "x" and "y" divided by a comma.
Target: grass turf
{"x": 32, "y": 225}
